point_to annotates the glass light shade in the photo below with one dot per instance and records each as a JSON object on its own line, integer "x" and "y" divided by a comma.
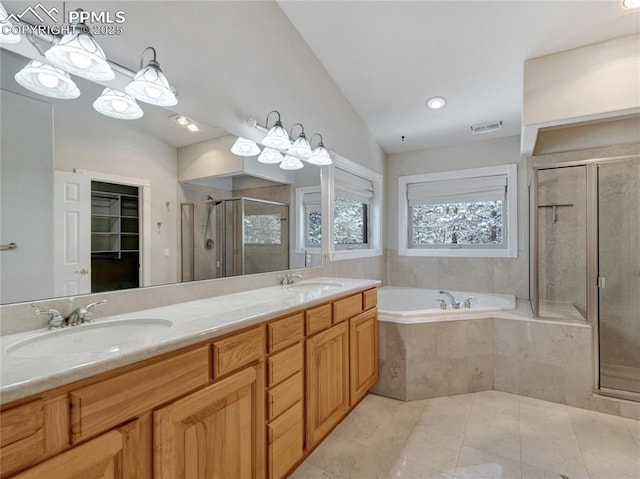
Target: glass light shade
{"x": 244, "y": 147}
{"x": 320, "y": 156}
{"x": 277, "y": 138}
{"x": 80, "y": 54}
{"x": 117, "y": 104}
{"x": 47, "y": 80}
{"x": 151, "y": 86}
{"x": 631, "y": 4}
{"x": 301, "y": 146}
{"x": 291, "y": 163}
{"x": 270, "y": 156}
{"x": 5, "y": 28}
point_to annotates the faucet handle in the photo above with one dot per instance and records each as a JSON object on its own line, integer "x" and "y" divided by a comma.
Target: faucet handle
{"x": 471, "y": 300}
{"x": 87, "y": 311}
{"x": 443, "y": 304}
{"x": 56, "y": 321}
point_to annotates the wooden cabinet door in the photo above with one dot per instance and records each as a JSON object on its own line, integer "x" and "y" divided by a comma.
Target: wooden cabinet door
{"x": 114, "y": 455}
{"x": 215, "y": 433}
{"x": 327, "y": 381}
{"x": 363, "y": 337}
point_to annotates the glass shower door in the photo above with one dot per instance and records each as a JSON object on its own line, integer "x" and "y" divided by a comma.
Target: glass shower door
{"x": 619, "y": 274}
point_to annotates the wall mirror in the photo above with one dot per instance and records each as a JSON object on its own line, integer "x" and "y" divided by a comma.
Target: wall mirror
{"x": 98, "y": 204}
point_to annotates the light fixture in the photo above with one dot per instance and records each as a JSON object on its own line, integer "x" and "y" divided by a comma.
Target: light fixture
{"x": 117, "y": 104}
{"x": 6, "y": 28}
{"x": 277, "y": 136}
{"x": 269, "y": 156}
{"x": 301, "y": 146}
{"x": 319, "y": 156}
{"x": 631, "y": 4}
{"x": 186, "y": 123}
{"x": 244, "y": 147}
{"x": 150, "y": 85}
{"x": 78, "y": 53}
{"x": 436, "y": 103}
{"x": 47, "y": 80}
{"x": 291, "y": 163}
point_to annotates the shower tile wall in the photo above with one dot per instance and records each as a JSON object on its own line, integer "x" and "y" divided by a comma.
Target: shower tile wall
{"x": 619, "y": 221}
{"x": 562, "y": 245}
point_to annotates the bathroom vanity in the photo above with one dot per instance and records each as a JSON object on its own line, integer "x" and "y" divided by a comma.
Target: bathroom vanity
{"x": 249, "y": 398}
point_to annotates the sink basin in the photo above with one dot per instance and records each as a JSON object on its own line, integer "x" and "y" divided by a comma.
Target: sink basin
{"x": 314, "y": 286}
{"x": 98, "y": 337}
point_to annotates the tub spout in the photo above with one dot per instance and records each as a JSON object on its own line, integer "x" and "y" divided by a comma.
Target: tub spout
{"x": 454, "y": 304}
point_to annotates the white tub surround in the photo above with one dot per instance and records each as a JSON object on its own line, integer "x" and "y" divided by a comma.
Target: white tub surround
{"x": 192, "y": 322}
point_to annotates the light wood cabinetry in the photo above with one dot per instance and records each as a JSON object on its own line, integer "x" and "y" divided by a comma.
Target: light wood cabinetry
{"x": 363, "y": 339}
{"x": 214, "y": 433}
{"x": 113, "y": 455}
{"x": 327, "y": 381}
{"x": 250, "y": 404}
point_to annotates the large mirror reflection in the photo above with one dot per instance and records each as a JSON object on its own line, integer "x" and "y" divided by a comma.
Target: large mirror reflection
{"x": 99, "y": 204}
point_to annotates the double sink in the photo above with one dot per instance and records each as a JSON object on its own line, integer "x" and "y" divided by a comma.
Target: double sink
{"x": 109, "y": 336}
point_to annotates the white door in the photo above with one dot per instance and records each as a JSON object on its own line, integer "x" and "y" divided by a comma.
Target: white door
{"x": 72, "y": 233}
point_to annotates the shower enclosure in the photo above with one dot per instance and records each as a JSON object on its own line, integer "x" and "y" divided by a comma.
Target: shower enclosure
{"x": 233, "y": 236}
{"x": 585, "y": 259}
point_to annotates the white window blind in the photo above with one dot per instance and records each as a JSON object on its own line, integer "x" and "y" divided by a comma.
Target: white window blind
{"x": 463, "y": 190}
{"x": 312, "y": 201}
{"x": 353, "y": 187}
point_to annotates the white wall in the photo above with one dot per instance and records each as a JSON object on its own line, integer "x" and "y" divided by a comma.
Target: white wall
{"x": 110, "y": 146}
{"x": 499, "y": 275}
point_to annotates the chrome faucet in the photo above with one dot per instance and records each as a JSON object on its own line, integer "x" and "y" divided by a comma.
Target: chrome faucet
{"x": 454, "y": 304}
{"x": 289, "y": 278}
{"x": 82, "y": 314}
{"x": 56, "y": 321}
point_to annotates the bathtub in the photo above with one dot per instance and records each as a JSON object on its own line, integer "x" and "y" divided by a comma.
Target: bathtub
{"x": 418, "y": 305}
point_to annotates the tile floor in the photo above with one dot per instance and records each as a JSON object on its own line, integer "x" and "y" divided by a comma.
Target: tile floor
{"x": 485, "y": 435}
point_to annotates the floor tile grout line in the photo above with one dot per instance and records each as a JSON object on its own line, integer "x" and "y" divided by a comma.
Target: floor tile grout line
{"x": 573, "y": 428}
{"x": 464, "y": 436}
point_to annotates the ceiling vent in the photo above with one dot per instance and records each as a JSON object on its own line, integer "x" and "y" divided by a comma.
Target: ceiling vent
{"x": 486, "y": 127}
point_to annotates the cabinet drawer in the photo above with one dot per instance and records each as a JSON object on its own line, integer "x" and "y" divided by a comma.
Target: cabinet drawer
{"x": 370, "y": 299}
{"x": 238, "y": 350}
{"x": 347, "y": 308}
{"x": 284, "y": 395}
{"x": 317, "y": 319}
{"x": 108, "y": 403}
{"x": 284, "y": 364}
{"x": 285, "y": 442}
{"x": 285, "y": 332}
{"x": 21, "y": 436}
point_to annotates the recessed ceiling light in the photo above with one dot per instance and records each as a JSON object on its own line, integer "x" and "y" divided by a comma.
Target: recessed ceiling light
{"x": 436, "y": 103}
{"x": 631, "y": 4}
{"x": 186, "y": 122}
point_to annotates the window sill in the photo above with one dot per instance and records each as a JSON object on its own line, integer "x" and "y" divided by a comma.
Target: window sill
{"x": 354, "y": 254}
{"x": 460, "y": 253}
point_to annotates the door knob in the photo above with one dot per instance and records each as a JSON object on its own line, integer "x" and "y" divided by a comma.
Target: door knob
{"x": 83, "y": 271}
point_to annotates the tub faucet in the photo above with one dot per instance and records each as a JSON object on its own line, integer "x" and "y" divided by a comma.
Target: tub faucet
{"x": 454, "y": 304}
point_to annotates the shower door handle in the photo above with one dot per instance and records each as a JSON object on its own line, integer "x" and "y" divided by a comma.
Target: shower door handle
{"x": 601, "y": 282}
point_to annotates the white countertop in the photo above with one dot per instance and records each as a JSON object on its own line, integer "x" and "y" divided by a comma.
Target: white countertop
{"x": 193, "y": 322}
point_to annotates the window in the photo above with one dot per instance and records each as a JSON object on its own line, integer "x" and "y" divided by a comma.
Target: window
{"x": 263, "y": 229}
{"x": 309, "y": 224}
{"x": 355, "y": 210}
{"x": 459, "y": 213}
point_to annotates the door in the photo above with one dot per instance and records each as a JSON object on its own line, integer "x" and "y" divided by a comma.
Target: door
{"x": 327, "y": 381}
{"x": 363, "y": 337}
{"x": 114, "y": 455}
{"x": 215, "y": 433}
{"x": 26, "y": 184}
{"x": 72, "y": 233}
{"x": 619, "y": 271}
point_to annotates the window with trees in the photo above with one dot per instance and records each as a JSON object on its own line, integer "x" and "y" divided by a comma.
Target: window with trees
{"x": 461, "y": 213}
